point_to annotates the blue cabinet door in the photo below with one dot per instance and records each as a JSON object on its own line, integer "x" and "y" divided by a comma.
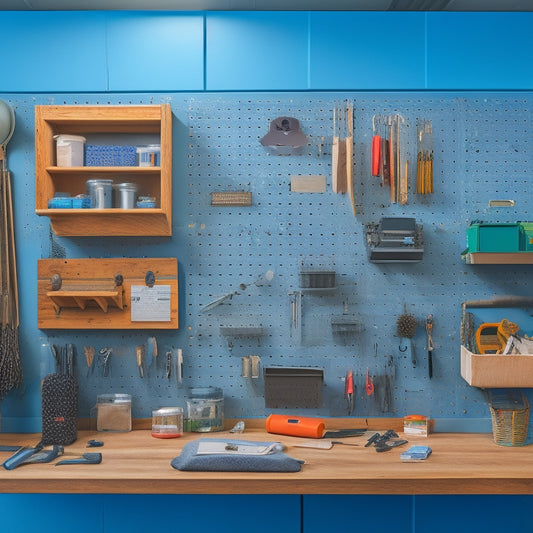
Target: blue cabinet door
{"x": 153, "y": 51}
{"x": 61, "y": 51}
{"x": 256, "y": 51}
{"x": 480, "y": 50}
{"x": 357, "y": 513}
{"x": 469, "y": 513}
{"x": 367, "y": 50}
{"x": 199, "y": 513}
{"x": 51, "y": 513}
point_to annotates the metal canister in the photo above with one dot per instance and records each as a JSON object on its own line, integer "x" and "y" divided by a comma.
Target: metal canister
{"x": 100, "y": 192}
{"x": 125, "y": 195}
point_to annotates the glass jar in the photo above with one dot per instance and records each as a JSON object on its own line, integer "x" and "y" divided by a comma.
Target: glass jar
{"x": 113, "y": 412}
{"x": 167, "y": 422}
{"x": 205, "y": 409}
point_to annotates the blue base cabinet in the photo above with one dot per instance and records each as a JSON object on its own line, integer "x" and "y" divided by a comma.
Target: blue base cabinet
{"x": 417, "y": 514}
{"x": 127, "y": 513}
{"x": 351, "y": 513}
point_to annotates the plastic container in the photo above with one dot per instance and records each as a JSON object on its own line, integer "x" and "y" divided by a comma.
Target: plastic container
{"x": 149, "y": 156}
{"x": 499, "y": 238}
{"x": 100, "y": 192}
{"x": 69, "y": 150}
{"x": 146, "y": 202}
{"x": 167, "y": 422}
{"x": 205, "y": 409}
{"x": 110, "y": 156}
{"x": 125, "y": 194}
{"x": 62, "y": 201}
{"x": 113, "y": 412}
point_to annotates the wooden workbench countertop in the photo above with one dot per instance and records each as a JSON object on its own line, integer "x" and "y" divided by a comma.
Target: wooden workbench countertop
{"x": 136, "y": 462}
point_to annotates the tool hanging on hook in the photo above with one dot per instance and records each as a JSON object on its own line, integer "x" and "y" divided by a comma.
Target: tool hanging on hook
{"x": 429, "y": 334}
{"x": 369, "y": 385}
{"x": 349, "y": 391}
{"x": 260, "y": 281}
{"x": 342, "y": 151}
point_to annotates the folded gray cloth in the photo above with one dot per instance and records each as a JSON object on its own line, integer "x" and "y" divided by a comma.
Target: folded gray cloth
{"x": 275, "y": 461}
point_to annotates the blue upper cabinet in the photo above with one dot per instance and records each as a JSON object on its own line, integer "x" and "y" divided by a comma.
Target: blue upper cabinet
{"x": 480, "y": 50}
{"x": 154, "y": 51}
{"x": 64, "y": 52}
{"x": 367, "y": 50}
{"x": 256, "y": 51}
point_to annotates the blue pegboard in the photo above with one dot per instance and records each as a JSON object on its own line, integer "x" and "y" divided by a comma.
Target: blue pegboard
{"x": 482, "y": 151}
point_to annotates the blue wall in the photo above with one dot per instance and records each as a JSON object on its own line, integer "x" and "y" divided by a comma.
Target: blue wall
{"x": 226, "y": 75}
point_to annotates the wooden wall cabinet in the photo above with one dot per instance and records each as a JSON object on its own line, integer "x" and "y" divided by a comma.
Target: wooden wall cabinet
{"x": 151, "y": 121}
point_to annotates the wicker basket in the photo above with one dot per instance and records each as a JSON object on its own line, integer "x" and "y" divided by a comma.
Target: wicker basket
{"x": 509, "y": 411}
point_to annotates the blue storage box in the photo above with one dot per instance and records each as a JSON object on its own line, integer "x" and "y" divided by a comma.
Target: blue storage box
{"x": 66, "y": 202}
{"x": 110, "y": 156}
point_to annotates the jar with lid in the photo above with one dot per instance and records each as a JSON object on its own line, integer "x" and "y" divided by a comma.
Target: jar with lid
{"x": 100, "y": 192}
{"x": 205, "y": 409}
{"x": 113, "y": 412}
{"x": 167, "y": 422}
{"x": 124, "y": 195}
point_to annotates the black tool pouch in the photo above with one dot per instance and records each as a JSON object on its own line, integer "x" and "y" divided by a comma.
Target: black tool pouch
{"x": 59, "y": 409}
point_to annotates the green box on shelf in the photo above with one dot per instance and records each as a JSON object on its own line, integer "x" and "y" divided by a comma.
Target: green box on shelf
{"x": 495, "y": 238}
{"x": 528, "y": 236}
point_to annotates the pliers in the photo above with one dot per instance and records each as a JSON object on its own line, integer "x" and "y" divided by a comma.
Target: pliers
{"x": 348, "y": 391}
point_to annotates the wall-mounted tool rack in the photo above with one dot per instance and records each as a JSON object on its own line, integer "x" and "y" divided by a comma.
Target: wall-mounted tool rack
{"x": 97, "y": 293}
{"x": 482, "y": 144}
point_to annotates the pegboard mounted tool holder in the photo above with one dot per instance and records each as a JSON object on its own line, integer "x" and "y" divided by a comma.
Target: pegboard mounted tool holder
{"x": 104, "y": 294}
{"x": 89, "y": 294}
{"x": 395, "y": 240}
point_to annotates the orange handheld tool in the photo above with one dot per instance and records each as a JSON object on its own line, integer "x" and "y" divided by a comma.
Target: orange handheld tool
{"x": 348, "y": 391}
{"x": 369, "y": 386}
{"x": 295, "y": 426}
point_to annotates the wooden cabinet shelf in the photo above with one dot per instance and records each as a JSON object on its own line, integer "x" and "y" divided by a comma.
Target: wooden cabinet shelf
{"x": 153, "y": 123}
{"x": 499, "y": 258}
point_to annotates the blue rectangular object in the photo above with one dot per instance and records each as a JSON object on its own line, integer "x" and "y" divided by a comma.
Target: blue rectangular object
{"x": 110, "y": 156}
{"x": 416, "y": 453}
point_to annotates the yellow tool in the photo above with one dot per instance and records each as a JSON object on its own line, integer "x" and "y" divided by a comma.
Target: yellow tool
{"x": 491, "y": 337}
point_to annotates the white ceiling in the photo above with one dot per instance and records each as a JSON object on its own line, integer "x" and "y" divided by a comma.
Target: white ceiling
{"x": 268, "y": 5}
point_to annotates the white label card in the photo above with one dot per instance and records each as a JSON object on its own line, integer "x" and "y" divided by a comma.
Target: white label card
{"x": 150, "y": 304}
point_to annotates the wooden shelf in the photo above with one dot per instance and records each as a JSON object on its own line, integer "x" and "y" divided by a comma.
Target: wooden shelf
{"x": 83, "y": 298}
{"x": 103, "y": 170}
{"x": 154, "y": 120}
{"x": 89, "y": 297}
{"x": 499, "y": 258}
